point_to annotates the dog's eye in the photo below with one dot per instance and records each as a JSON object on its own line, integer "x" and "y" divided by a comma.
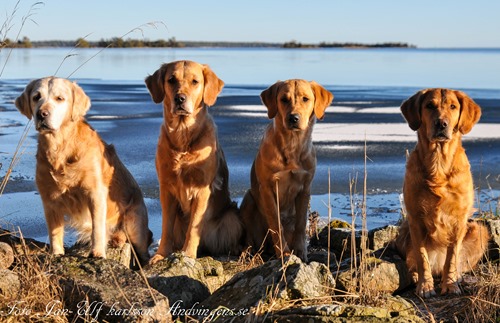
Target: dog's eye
{"x": 430, "y": 106}
{"x": 171, "y": 80}
{"x": 60, "y": 99}
{"x": 305, "y": 99}
{"x": 194, "y": 82}
{"x": 285, "y": 99}
{"x": 37, "y": 97}
{"x": 453, "y": 107}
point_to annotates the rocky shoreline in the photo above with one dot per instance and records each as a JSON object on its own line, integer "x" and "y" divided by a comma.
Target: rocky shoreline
{"x": 369, "y": 286}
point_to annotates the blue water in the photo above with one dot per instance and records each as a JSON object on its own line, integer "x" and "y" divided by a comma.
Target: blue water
{"x": 456, "y": 68}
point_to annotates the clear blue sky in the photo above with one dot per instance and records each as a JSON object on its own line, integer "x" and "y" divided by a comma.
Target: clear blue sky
{"x": 427, "y": 23}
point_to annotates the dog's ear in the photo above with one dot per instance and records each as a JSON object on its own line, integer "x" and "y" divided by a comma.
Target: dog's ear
{"x": 155, "y": 82}
{"x": 23, "y": 102}
{"x": 322, "y": 99}
{"x": 411, "y": 110}
{"x": 270, "y": 99}
{"x": 470, "y": 112}
{"x": 213, "y": 86}
{"x": 81, "y": 102}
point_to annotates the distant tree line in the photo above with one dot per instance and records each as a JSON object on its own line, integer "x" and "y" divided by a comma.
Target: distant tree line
{"x": 83, "y": 43}
{"x": 361, "y": 45}
{"x": 295, "y": 44}
{"x": 22, "y": 43}
{"x": 173, "y": 43}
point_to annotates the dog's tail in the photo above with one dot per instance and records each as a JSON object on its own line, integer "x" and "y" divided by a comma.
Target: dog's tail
{"x": 224, "y": 232}
{"x": 474, "y": 245}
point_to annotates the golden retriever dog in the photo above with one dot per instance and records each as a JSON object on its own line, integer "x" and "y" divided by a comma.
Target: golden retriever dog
{"x": 438, "y": 193}
{"x": 78, "y": 175}
{"x": 281, "y": 175}
{"x": 192, "y": 172}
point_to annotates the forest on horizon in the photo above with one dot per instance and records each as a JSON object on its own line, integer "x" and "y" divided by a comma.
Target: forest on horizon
{"x": 117, "y": 42}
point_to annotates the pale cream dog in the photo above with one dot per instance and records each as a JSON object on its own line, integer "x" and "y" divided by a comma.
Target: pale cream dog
{"x": 78, "y": 175}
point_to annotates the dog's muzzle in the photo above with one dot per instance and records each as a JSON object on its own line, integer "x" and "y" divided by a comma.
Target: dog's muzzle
{"x": 441, "y": 130}
{"x": 42, "y": 122}
{"x": 180, "y": 104}
{"x": 293, "y": 121}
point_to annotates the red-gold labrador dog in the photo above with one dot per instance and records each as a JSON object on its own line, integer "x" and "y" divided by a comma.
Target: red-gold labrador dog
{"x": 438, "y": 193}
{"x": 192, "y": 171}
{"x": 284, "y": 167}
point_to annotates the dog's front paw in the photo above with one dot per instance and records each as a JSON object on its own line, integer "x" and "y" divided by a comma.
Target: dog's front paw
{"x": 450, "y": 288}
{"x": 189, "y": 253}
{"x": 156, "y": 258}
{"x": 97, "y": 254}
{"x": 190, "y": 249}
{"x": 425, "y": 289}
{"x": 57, "y": 252}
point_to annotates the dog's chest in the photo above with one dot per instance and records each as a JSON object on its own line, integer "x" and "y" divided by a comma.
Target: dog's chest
{"x": 289, "y": 184}
{"x": 63, "y": 178}
{"x": 188, "y": 173}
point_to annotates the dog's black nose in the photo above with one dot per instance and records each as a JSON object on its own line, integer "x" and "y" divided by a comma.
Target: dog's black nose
{"x": 180, "y": 98}
{"x": 293, "y": 119}
{"x": 42, "y": 114}
{"x": 441, "y": 124}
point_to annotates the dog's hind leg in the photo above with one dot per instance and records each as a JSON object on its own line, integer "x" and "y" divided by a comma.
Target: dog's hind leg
{"x": 474, "y": 246}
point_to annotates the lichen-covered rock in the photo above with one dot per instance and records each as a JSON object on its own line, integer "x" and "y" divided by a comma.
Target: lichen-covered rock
{"x": 340, "y": 240}
{"x": 275, "y": 282}
{"x": 105, "y": 290}
{"x": 122, "y": 255}
{"x": 180, "y": 279}
{"x": 9, "y": 284}
{"x": 381, "y": 272}
{"x": 341, "y": 237}
{"x": 379, "y": 238}
{"x": 215, "y": 273}
{"x": 403, "y": 312}
{"x": 189, "y": 280}
{"x": 6, "y": 255}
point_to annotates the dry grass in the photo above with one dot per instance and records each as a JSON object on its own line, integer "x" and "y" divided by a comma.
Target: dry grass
{"x": 40, "y": 297}
{"x": 249, "y": 260}
{"x": 480, "y": 301}
{"x": 484, "y": 296}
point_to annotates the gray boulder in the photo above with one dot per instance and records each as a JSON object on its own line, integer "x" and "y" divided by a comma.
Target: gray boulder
{"x": 395, "y": 310}
{"x": 181, "y": 279}
{"x": 382, "y": 272}
{"x": 105, "y": 290}
{"x": 274, "y": 281}
{"x": 380, "y": 238}
{"x": 341, "y": 235}
{"x": 123, "y": 255}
